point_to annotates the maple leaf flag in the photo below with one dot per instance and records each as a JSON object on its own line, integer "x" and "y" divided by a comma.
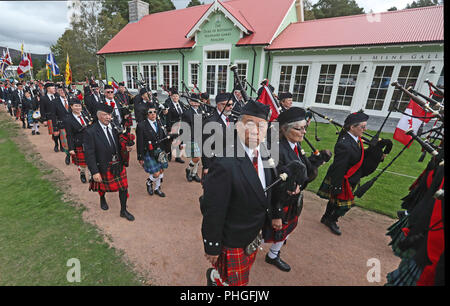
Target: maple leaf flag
{"x": 406, "y": 122}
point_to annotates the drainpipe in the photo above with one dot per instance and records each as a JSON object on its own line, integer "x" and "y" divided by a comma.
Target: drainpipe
{"x": 182, "y": 69}
{"x": 253, "y": 70}
{"x": 268, "y": 65}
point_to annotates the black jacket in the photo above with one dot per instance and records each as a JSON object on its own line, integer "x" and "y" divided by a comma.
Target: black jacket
{"x": 16, "y": 99}
{"x": 140, "y": 110}
{"x": 59, "y": 112}
{"x": 91, "y": 104}
{"x": 346, "y": 154}
{"x": 172, "y": 116}
{"x": 97, "y": 149}
{"x": 75, "y": 131}
{"x": 144, "y": 134}
{"x": 234, "y": 204}
{"x": 189, "y": 117}
{"x": 46, "y": 106}
{"x": 215, "y": 117}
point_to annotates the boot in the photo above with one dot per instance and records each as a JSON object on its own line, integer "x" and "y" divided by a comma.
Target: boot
{"x": 188, "y": 175}
{"x": 103, "y": 204}
{"x": 278, "y": 262}
{"x": 149, "y": 186}
{"x": 331, "y": 223}
{"x": 123, "y": 206}
{"x": 327, "y": 213}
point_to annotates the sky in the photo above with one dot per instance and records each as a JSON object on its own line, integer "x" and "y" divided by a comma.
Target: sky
{"x": 39, "y": 24}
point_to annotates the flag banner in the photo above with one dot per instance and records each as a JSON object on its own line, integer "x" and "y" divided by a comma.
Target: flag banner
{"x": 267, "y": 98}
{"x": 115, "y": 86}
{"x": 24, "y": 66}
{"x": 68, "y": 76}
{"x": 406, "y": 122}
{"x": 51, "y": 64}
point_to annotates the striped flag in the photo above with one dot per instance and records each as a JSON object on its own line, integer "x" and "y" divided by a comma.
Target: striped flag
{"x": 51, "y": 64}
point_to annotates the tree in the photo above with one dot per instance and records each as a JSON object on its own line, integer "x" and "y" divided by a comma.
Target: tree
{"x": 336, "y": 8}
{"x": 423, "y": 3}
{"x": 157, "y": 6}
{"x": 392, "y": 9}
{"x": 113, "y": 7}
{"x": 194, "y": 3}
{"x": 308, "y": 13}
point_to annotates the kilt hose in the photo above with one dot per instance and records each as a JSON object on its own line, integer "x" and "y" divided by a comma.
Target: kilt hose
{"x": 269, "y": 232}
{"x": 193, "y": 150}
{"x": 110, "y": 183}
{"x": 234, "y": 266}
{"x": 79, "y": 158}
{"x": 63, "y": 139}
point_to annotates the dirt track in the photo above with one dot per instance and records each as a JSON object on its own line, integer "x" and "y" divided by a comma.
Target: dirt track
{"x": 165, "y": 241}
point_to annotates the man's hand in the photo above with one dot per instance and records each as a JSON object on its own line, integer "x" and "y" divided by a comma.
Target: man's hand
{"x": 297, "y": 191}
{"x": 212, "y": 258}
{"x": 97, "y": 178}
{"x": 72, "y": 152}
{"x": 205, "y": 171}
{"x": 277, "y": 224}
{"x": 141, "y": 162}
{"x": 165, "y": 112}
{"x": 129, "y": 149}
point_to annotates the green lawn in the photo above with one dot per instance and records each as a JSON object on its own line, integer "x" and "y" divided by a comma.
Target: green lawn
{"x": 39, "y": 232}
{"x": 385, "y": 195}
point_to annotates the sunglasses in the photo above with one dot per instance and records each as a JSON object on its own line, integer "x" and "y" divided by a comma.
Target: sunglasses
{"x": 109, "y": 91}
{"x": 151, "y": 112}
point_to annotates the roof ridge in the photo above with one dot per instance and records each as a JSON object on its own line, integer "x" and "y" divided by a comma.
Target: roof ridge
{"x": 382, "y": 13}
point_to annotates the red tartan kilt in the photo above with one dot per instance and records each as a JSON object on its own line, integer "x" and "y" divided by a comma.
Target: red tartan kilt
{"x": 234, "y": 266}
{"x": 79, "y": 158}
{"x": 286, "y": 229}
{"x": 109, "y": 182}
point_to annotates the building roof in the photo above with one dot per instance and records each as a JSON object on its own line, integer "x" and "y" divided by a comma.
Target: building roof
{"x": 167, "y": 30}
{"x": 420, "y": 25}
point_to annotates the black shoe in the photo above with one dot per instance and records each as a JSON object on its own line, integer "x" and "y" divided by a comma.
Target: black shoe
{"x": 278, "y": 262}
{"x": 67, "y": 160}
{"x": 29, "y": 127}
{"x": 83, "y": 177}
{"x": 196, "y": 178}
{"x": 37, "y": 133}
{"x": 333, "y": 227}
{"x": 179, "y": 160}
{"x": 149, "y": 185}
{"x": 24, "y": 127}
{"x": 33, "y": 133}
{"x": 209, "y": 281}
{"x": 56, "y": 149}
{"x": 324, "y": 219}
{"x": 188, "y": 175}
{"x": 125, "y": 214}
{"x": 61, "y": 149}
{"x": 160, "y": 193}
{"x": 103, "y": 204}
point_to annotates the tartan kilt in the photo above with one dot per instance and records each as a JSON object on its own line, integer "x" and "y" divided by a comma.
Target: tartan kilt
{"x": 407, "y": 274}
{"x": 325, "y": 193}
{"x": 18, "y": 112}
{"x": 151, "y": 165}
{"x": 193, "y": 150}
{"x": 50, "y": 127}
{"x": 30, "y": 119}
{"x": 110, "y": 183}
{"x": 234, "y": 266}
{"x": 269, "y": 232}
{"x": 397, "y": 236}
{"x": 79, "y": 158}
{"x": 63, "y": 138}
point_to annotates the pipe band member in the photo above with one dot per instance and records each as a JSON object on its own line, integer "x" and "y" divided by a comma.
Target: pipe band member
{"x": 234, "y": 204}
{"x": 285, "y": 101}
{"x": 174, "y": 115}
{"x": 192, "y": 149}
{"x": 102, "y": 150}
{"x": 76, "y": 125}
{"x": 286, "y": 209}
{"x": 345, "y": 172}
{"x": 150, "y": 138}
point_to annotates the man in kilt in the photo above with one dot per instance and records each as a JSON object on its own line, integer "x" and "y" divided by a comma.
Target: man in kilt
{"x": 150, "y": 135}
{"x": 102, "y": 151}
{"x": 174, "y": 113}
{"x": 286, "y": 209}
{"x": 75, "y": 125}
{"x": 192, "y": 149}
{"x": 46, "y": 111}
{"x": 35, "y": 105}
{"x": 345, "y": 172}
{"x": 60, "y": 110}
{"x": 235, "y": 204}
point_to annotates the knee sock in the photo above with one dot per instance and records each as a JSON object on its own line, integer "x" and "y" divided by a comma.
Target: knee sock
{"x": 275, "y": 249}
{"x": 159, "y": 181}
{"x": 195, "y": 169}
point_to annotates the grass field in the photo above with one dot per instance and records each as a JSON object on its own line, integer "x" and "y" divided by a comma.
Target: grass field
{"x": 385, "y": 195}
{"x": 39, "y": 232}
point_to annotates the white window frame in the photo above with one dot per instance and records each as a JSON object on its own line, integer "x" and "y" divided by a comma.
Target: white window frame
{"x": 190, "y": 73}
{"x": 124, "y": 75}
{"x": 150, "y": 63}
{"x": 161, "y": 72}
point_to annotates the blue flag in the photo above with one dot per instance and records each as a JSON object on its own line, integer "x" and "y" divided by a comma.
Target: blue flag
{"x": 51, "y": 64}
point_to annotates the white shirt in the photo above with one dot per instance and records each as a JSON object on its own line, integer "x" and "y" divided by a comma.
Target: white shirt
{"x": 224, "y": 118}
{"x": 177, "y": 107}
{"x": 261, "y": 175}
{"x": 50, "y": 97}
{"x": 104, "y": 131}
{"x": 78, "y": 119}
{"x": 152, "y": 124}
{"x": 354, "y": 137}
{"x": 116, "y": 109}
{"x": 63, "y": 103}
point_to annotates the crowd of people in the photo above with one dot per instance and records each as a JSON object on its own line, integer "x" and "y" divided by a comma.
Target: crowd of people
{"x": 248, "y": 197}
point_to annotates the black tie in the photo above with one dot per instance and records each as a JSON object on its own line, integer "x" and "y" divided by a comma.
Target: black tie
{"x": 111, "y": 140}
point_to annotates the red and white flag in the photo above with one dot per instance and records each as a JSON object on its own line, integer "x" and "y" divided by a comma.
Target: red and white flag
{"x": 24, "y": 66}
{"x": 267, "y": 98}
{"x": 407, "y": 122}
{"x": 115, "y": 86}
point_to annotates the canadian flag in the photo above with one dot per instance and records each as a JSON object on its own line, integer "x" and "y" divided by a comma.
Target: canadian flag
{"x": 406, "y": 122}
{"x": 267, "y": 98}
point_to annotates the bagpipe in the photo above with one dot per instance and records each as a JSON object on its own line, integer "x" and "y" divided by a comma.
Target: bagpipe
{"x": 126, "y": 91}
{"x": 184, "y": 106}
